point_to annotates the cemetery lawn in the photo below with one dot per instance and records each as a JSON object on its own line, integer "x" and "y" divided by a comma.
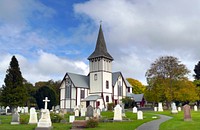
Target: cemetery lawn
{"x": 129, "y": 125}
{"x": 177, "y": 122}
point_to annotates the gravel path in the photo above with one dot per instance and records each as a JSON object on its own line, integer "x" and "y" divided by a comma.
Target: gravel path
{"x": 154, "y": 125}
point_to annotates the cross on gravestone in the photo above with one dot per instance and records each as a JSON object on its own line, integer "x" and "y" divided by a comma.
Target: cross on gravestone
{"x": 45, "y": 102}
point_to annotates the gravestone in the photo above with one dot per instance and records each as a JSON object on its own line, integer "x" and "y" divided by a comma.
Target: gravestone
{"x": 123, "y": 110}
{"x": 98, "y": 111}
{"x": 90, "y": 111}
{"x": 71, "y": 119}
{"x": 22, "y": 110}
{"x": 134, "y": 109}
{"x": 160, "y": 107}
{"x": 19, "y": 109}
{"x": 83, "y": 111}
{"x": 187, "y": 114}
{"x": 45, "y": 120}
{"x": 33, "y": 116}
{"x": 7, "y": 110}
{"x": 117, "y": 113}
{"x": 174, "y": 109}
{"x": 179, "y": 108}
{"x": 15, "y": 118}
{"x": 57, "y": 108}
{"x": 195, "y": 108}
{"x": 76, "y": 112}
{"x": 140, "y": 115}
{"x": 26, "y": 110}
{"x": 155, "y": 109}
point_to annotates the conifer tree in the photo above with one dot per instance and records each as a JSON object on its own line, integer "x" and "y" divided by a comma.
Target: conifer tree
{"x": 13, "y": 92}
{"x": 197, "y": 71}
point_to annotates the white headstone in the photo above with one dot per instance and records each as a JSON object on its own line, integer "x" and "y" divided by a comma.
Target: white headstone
{"x": 19, "y": 109}
{"x": 98, "y": 112}
{"x": 174, "y": 109}
{"x": 134, "y": 109}
{"x": 117, "y": 113}
{"x": 7, "y": 108}
{"x": 83, "y": 111}
{"x": 195, "y": 108}
{"x": 179, "y": 108}
{"x": 71, "y": 119}
{"x": 45, "y": 102}
{"x": 76, "y": 112}
{"x": 25, "y": 109}
{"x": 45, "y": 120}
{"x": 155, "y": 109}
{"x": 160, "y": 108}
{"x": 22, "y": 110}
{"x": 33, "y": 116}
{"x": 140, "y": 115}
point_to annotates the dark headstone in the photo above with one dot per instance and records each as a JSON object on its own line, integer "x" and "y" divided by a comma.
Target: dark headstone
{"x": 187, "y": 114}
{"x": 90, "y": 111}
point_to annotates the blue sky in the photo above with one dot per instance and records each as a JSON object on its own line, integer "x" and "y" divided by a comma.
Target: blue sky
{"x": 50, "y": 38}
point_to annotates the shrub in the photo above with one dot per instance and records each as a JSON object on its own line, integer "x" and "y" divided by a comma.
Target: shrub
{"x": 92, "y": 123}
{"x": 110, "y": 106}
{"x": 55, "y": 118}
{"x": 23, "y": 120}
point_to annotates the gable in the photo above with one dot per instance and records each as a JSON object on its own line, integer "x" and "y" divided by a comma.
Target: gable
{"x": 80, "y": 81}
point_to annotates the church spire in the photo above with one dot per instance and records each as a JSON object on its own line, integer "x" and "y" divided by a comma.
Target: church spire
{"x": 100, "y": 50}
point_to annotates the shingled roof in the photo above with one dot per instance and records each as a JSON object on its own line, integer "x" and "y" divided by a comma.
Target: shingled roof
{"x": 100, "y": 50}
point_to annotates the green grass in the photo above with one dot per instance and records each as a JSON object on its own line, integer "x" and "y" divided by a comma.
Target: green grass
{"x": 134, "y": 123}
{"x": 178, "y": 123}
{"x": 130, "y": 125}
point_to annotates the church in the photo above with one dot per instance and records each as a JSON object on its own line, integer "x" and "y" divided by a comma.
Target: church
{"x": 100, "y": 87}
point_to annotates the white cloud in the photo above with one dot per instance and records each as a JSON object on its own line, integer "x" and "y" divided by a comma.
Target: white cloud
{"x": 47, "y": 66}
{"x": 150, "y": 28}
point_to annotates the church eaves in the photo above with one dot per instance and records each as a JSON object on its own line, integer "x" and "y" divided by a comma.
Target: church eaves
{"x": 100, "y": 50}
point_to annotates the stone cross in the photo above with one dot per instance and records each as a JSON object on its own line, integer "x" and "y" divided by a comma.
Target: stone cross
{"x": 45, "y": 101}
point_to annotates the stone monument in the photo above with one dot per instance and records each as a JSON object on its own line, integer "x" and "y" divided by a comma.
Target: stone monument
{"x": 90, "y": 111}
{"x": 134, "y": 109}
{"x": 15, "y": 118}
{"x": 45, "y": 120}
{"x": 187, "y": 114}
{"x": 174, "y": 109}
{"x": 117, "y": 113}
{"x": 160, "y": 107}
{"x": 33, "y": 116}
{"x": 140, "y": 115}
{"x": 195, "y": 108}
{"x": 83, "y": 111}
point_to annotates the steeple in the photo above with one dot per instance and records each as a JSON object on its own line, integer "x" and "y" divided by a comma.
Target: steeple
{"x": 100, "y": 50}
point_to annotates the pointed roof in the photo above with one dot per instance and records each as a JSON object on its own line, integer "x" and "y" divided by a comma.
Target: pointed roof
{"x": 100, "y": 50}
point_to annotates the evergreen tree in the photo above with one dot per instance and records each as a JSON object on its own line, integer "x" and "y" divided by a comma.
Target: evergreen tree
{"x": 13, "y": 92}
{"x": 197, "y": 71}
{"x": 43, "y": 92}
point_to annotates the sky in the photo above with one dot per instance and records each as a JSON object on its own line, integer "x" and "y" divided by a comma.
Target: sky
{"x": 50, "y": 38}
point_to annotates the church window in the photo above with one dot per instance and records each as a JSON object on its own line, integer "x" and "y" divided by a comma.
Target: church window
{"x": 128, "y": 89}
{"x": 68, "y": 88}
{"x": 119, "y": 88}
{"x": 95, "y": 76}
{"x": 107, "y": 98}
{"x": 82, "y": 94}
{"x": 107, "y": 84}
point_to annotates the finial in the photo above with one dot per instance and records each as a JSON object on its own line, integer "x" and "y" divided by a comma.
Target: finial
{"x": 100, "y": 22}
